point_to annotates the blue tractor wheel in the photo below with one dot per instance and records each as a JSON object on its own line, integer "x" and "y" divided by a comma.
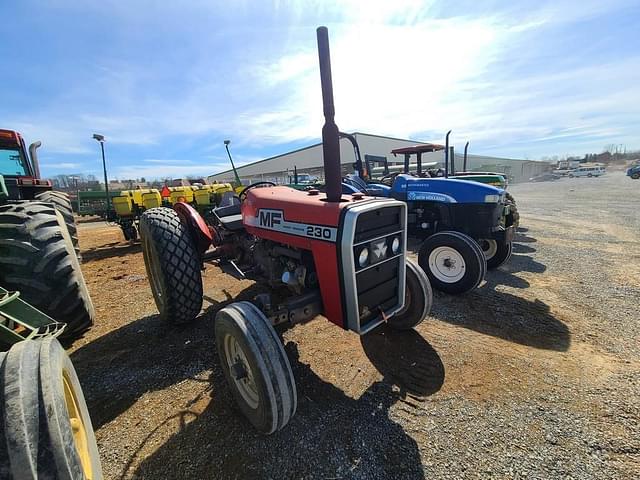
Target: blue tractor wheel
{"x": 453, "y": 262}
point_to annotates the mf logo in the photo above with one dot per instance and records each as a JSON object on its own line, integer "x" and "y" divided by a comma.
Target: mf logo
{"x": 379, "y": 250}
{"x": 269, "y": 218}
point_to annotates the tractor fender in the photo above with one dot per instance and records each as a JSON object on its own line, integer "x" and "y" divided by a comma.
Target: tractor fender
{"x": 196, "y": 225}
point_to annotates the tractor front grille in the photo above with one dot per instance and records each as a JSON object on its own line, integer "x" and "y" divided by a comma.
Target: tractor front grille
{"x": 374, "y": 289}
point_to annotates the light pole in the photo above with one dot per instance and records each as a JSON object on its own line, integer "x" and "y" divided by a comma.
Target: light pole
{"x": 235, "y": 172}
{"x": 100, "y": 139}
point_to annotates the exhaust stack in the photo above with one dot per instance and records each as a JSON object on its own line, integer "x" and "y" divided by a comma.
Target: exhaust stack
{"x": 453, "y": 160}
{"x": 330, "y": 133}
{"x": 446, "y": 155}
{"x": 464, "y": 164}
{"x": 34, "y": 157}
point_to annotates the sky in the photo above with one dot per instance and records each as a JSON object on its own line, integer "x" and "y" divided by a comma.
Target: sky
{"x": 167, "y": 82}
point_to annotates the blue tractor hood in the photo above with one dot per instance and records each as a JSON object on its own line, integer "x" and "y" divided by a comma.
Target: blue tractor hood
{"x": 446, "y": 190}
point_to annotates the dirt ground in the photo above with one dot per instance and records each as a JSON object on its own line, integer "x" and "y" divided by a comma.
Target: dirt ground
{"x": 534, "y": 375}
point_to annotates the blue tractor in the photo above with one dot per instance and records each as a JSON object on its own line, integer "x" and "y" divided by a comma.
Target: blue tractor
{"x": 463, "y": 226}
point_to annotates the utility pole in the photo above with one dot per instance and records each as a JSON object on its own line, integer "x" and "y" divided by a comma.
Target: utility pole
{"x": 100, "y": 139}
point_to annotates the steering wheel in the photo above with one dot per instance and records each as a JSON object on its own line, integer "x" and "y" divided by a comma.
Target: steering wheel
{"x": 389, "y": 178}
{"x": 243, "y": 193}
{"x": 356, "y": 182}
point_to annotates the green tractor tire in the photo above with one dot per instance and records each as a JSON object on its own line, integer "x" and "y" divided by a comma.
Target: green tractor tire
{"x": 515, "y": 215}
{"x": 62, "y": 204}
{"x": 44, "y": 421}
{"x": 38, "y": 259}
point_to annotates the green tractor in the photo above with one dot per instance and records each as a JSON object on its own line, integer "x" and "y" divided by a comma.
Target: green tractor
{"x": 496, "y": 179}
{"x": 39, "y": 253}
{"x": 45, "y": 428}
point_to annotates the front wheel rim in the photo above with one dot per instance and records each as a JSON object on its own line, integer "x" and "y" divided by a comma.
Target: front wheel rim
{"x": 78, "y": 427}
{"x": 237, "y": 360}
{"x": 447, "y": 264}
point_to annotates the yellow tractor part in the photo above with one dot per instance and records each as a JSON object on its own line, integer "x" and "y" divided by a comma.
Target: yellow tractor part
{"x": 220, "y": 188}
{"x": 151, "y": 199}
{"x": 138, "y": 193}
{"x": 203, "y": 196}
{"x": 181, "y": 194}
{"x": 123, "y": 204}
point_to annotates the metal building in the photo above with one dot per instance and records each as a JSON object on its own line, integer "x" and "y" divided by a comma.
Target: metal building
{"x": 308, "y": 160}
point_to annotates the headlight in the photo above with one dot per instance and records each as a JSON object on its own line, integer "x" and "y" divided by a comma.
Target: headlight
{"x": 395, "y": 245}
{"x": 363, "y": 257}
{"x": 491, "y": 198}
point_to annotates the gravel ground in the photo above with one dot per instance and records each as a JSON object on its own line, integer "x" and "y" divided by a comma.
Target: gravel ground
{"x": 534, "y": 375}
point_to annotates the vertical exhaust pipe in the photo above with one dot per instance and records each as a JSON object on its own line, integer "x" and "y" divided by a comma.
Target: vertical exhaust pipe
{"x": 453, "y": 161}
{"x": 330, "y": 133}
{"x": 34, "y": 157}
{"x": 464, "y": 163}
{"x": 295, "y": 175}
{"x": 446, "y": 155}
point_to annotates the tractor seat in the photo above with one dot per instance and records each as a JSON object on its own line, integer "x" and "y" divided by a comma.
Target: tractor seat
{"x": 229, "y": 217}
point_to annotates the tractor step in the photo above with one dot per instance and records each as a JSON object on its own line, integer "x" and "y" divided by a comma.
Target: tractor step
{"x": 20, "y": 321}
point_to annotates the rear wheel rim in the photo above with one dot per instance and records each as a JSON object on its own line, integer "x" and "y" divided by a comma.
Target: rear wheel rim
{"x": 489, "y": 247}
{"x": 78, "y": 427}
{"x": 447, "y": 264}
{"x": 236, "y": 361}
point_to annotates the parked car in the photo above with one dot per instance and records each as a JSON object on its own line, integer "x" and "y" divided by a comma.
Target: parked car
{"x": 634, "y": 172}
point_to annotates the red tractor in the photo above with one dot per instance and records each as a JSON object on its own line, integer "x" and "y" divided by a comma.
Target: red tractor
{"x": 39, "y": 254}
{"x": 340, "y": 256}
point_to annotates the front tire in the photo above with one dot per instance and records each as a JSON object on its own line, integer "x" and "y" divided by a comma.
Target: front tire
{"x": 496, "y": 252}
{"x": 37, "y": 257}
{"x": 255, "y": 366}
{"x": 47, "y": 431}
{"x": 418, "y": 299}
{"x": 453, "y": 262}
{"x": 173, "y": 265}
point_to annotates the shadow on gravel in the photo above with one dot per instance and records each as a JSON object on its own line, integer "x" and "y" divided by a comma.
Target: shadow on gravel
{"x": 331, "y": 436}
{"x": 405, "y": 359}
{"x": 115, "y": 249}
{"x": 521, "y": 238}
{"x": 520, "y": 248}
{"x": 521, "y": 263}
{"x": 144, "y": 355}
{"x": 503, "y": 315}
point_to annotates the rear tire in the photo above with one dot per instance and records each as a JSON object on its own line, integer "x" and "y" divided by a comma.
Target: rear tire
{"x": 255, "y": 366}
{"x": 453, "y": 262}
{"x": 496, "y": 252}
{"x": 46, "y": 426}
{"x": 37, "y": 258}
{"x": 418, "y": 299}
{"x": 62, "y": 204}
{"x": 173, "y": 265}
